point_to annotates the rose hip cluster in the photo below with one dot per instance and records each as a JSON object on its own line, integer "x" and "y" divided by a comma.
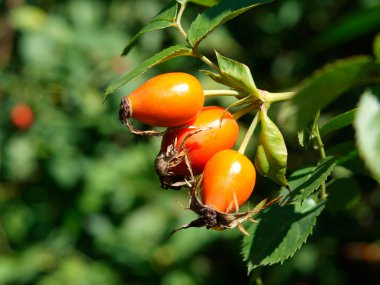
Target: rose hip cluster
{"x": 196, "y": 148}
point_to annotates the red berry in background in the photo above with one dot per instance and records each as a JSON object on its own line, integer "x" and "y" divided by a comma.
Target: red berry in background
{"x": 22, "y": 116}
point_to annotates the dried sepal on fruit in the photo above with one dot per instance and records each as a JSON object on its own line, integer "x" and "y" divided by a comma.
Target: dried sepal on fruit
{"x": 170, "y": 158}
{"x": 211, "y": 218}
{"x": 125, "y": 114}
{"x": 186, "y": 150}
{"x": 167, "y": 100}
{"x": 226, "y": 183}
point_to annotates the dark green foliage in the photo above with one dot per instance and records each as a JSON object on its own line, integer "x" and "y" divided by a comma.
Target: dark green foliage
{"x": 80, "y": 202}
{"x": 279, "y": 233}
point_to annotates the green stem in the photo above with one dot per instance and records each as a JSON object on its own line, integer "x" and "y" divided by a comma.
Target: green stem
{"x": 214, "y": 93}
{"x": 179, "y": 17}
{"x": 281, "y": 96}
{"x": 238, "y": 114}
{"x": 249, "y": 133}
{"x": 320, "y": 144}
{"x": 321, "y": 149}
{"x": 206, "y": 60}
{"x": 209, "y": 63}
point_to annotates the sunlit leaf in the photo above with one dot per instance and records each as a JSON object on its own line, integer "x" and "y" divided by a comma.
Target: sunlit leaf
{"x": 164, "y": 19}
{"x": 215, "y": 16}
{"x": 303, "y": 182}
{"x": 235, "y": 74}
{"x": 279, "y": 233}
{"x": 164, "y": 55}
{"x": 325, "y": 86}
{"x": 367, "y": 126}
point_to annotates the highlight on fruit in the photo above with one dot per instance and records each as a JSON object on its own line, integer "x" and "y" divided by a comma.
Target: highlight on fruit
{"x": 167, "y": 100}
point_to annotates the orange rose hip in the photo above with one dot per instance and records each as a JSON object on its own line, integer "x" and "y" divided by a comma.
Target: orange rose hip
{"x": 167, "y": 100}
{"x": 228, "y": 181}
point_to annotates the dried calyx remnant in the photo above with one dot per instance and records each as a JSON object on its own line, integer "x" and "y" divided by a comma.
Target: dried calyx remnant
{"x": 164, "y": 164}
{"x": 125, "y": 113}
{"x": 171, "y": 158}
{"x": 213, "y": 219}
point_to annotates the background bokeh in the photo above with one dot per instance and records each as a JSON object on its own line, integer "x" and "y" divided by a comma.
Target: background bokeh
{"x": 79, "y": 199}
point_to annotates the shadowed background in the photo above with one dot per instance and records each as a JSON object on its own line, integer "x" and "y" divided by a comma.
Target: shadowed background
{"x": 80, "y": 202}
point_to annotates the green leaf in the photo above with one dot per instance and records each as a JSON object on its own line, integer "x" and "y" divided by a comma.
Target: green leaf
{"x": 325, "y": 86}
{"x": 164, "y": 55}
{"x": 338, "y": 122}
{"x": 236, "y": 75}
{"x": 343, "y": 194}
{"x": 207, "y": 3}
{"x": 279, "y": 233}
{"x": 215, "y": 16}
{"x": 271, "y": 155}
{"x": 376, "y": 47}
{"x": 367, "y": 126}
{"x": 164, "y": 19}
{"x": 306, "y": 180}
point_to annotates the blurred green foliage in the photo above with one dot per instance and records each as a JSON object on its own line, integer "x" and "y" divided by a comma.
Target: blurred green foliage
{"x": 79, "y": 200}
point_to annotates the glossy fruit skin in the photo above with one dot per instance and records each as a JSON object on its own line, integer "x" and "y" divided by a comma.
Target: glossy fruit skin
{"x": 22, "y": 116}
{"x": 167, "y": 100}
{"x": 227, "y": 172}
{"x": 202, "y": 138}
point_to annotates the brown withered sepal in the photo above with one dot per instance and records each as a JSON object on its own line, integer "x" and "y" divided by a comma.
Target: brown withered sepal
{"x": 211, "y": 218}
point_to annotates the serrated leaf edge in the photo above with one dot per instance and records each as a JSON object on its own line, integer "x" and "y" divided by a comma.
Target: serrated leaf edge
{"x": 195, "y": 42}
{"x": 155, "y": 19}
{"x": 303, "y": 197}
{"x": 250, "y": 267}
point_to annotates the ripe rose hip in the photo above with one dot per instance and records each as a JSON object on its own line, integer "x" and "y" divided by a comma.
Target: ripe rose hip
{"x": 22, "y": 116}
{"x": 228, "y": 180}
{"x": 167, "y": 100}
{"x": 188, "y": 148}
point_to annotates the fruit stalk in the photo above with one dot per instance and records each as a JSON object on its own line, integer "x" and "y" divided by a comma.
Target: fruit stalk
{"x": 249, "y": 133}
{"x": 215, "y": 93}
{"x": 321, "y": 148}
{"x": 179, "y": 17}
